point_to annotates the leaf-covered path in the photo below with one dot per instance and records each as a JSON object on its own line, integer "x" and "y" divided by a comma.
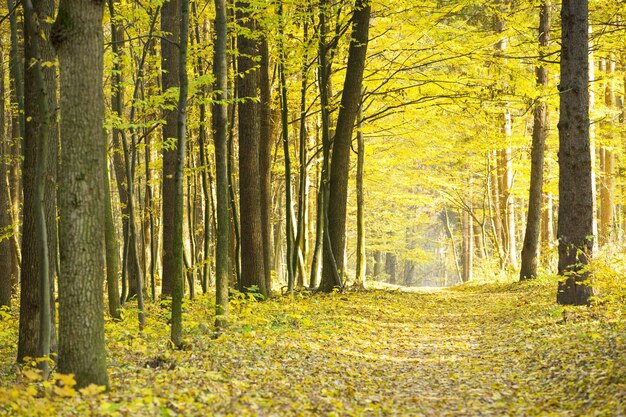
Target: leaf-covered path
{"x": 488, "y": 351}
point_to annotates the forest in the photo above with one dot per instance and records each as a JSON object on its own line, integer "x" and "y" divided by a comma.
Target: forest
{"x": 312, "y": 207}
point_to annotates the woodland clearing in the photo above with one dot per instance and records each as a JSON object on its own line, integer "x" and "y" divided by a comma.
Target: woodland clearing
{"x": 489, "y": 350}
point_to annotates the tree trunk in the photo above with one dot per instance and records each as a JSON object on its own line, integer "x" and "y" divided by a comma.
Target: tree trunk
{"x": 170, "y": 24}
{"x": 220, "y": 127}
{"x": 177, "y": 280}
{"x": 391, "y": 266}
{"x": 6, "y": 223}
{"x": 378, "y": 263}
{"x": 361, "y": 259}
{"x": 339, "y": 173}
{"x": 530, "y": 249}
{"x": 78, "y": 39}
{"x": 112, "y": 254}
{"x": 284, "y": 113}
{"x": 265, "y": 161}
{"x": 607, "y": 189}
{"x": 252, "y": 255}
{"x": 575, "y": 232}
{"x": 39, "y": 101}
{"x": 468, "y": 245}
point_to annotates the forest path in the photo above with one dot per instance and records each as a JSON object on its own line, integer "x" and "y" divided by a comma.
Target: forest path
{"x": 491, "y": 350}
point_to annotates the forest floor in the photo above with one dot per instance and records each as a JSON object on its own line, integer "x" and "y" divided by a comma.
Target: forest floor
{"x": 472, "y": 350}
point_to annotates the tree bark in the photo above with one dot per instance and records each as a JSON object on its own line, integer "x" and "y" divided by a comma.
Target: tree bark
{"x": 530, "y": 249}
{"x": 39, "y": 101}
{"x": 265, "y": 161}
{"x": 575, "y": 231}
{"x": 361, "y": 260}
{"x": 78, "y": 39}
{"x": 339, "y": 173}
{"x": 607, "y": 189}
{"x": 252, "y": 256}
{"x": 170, "y": 25}
{"x": 220, "y": 129}
{"x": 176, "y": 335}
{"x": 6, "y": 223}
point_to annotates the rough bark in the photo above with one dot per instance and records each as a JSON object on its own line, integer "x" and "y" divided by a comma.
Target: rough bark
{"x": 252, "y": 257}
{"x": 575, "y": 231}
{"x": 78, "y": 39}
{"x": 170, "y": 26}
{"x": 340, "y": 165}
{"x": 39, "y": 102}
{"x": 530, "y": 248}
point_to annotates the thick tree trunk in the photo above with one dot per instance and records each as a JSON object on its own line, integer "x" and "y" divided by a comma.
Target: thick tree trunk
{"x": 78, "y": 39}
{"x": 530, "y": 249}
{"x": 575, "y": 232}
{"x": 170, "y": 24}
{"x": 252, "y": 255}
{"x": 350, "y": 100}
{"x": 220, "y": 128}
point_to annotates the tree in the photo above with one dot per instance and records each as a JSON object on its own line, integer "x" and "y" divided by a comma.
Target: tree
{"x": 220, "y": 130}
{"x": 6, "y": 224}
{"x": 177, "y": 279}
{"x": 575, "y": 229}
{"x": 170, "y": 26}
{"x": 530, "y": 249}
{"x": 252, "y": 257}
{"x": 77, "y": 36}
{"x": 340, "y": 164}
{"x": 40, "y": 137}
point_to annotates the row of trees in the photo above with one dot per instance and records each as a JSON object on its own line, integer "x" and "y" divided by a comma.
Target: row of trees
{"x": 221, "y": 151}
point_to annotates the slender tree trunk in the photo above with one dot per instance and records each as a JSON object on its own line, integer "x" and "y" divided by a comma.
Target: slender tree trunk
{"x": 112, "y": 249}
{"x": 6, "y": 223}
{"x": 284, "y": 113}
{"x": 575, "y": 231}
{"x": 360, "y": 203}
{"x": 468, "y": 245}
{"x": 177, "y": 280}
{"x": 547, "y": 227}
{"x": 170, "y": 24}
{"x": 378, "y": 263}
{"x": 220, "y": 127}
{"x": 607, "y": 190}
{"x": 350, "y": 100}
{"x": 530, "y": 249}
{"x": 265, "y": 161}
{"x": 78, "y": 39}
